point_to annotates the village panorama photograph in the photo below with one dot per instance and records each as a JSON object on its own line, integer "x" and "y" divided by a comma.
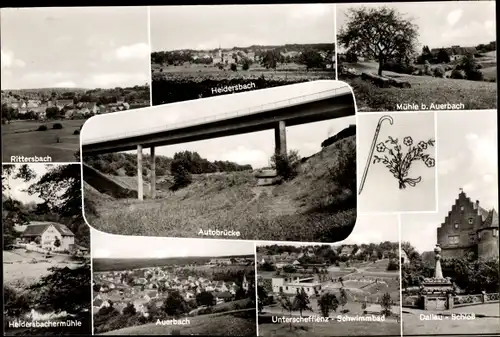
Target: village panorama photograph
{"x": 88, "y": 61}
{"x": 172, "y": 286}
{"x": 450, "y": 278}
{"x": 46, "y": 244}
{"x": 226, "y": 48}
{"x": 351, "y": 288}
{"x": 257, "y": 178}
{"x": 438, "y": 55}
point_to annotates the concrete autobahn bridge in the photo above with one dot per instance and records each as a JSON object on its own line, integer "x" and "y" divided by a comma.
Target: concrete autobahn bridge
{"x": 318, "y": 104}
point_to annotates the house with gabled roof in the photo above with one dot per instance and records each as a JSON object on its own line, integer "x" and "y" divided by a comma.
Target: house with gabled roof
{"x": 469, "y": 228}
{"x": 51, "y": 235}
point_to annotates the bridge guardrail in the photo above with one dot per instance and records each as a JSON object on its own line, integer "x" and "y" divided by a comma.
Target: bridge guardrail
{"x": 232, "y": 114}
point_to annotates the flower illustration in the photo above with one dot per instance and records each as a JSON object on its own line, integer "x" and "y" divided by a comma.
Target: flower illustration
{"x": 381, "y": 147}
{"x": 422, "y": 145}
{"x": 399, "y": 163}
{"x": 430, "y": 162}
{"x": 408, "y": 141}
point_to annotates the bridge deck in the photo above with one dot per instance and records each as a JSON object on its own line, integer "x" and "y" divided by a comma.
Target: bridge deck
{"x": 154, "y": 120}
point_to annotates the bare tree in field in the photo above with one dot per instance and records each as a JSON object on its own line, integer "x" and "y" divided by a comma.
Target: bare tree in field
{"x": 379, "y": 33}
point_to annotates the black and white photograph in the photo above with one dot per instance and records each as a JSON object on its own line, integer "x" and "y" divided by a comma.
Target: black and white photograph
{"x": 397, "y": 162}
{"x": 351, "y": 288}
{"x": 270, "y": 164}
{"x": 60, "y": 66}
{"x": 46, "y": 244}
{"x": 437, "y": 55}
{"x": 450, "y": 275}
{"x": 224, "y": 49}
{"x": 172, "y": 287}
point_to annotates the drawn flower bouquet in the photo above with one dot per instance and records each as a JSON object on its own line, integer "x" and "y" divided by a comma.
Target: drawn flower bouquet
{"x": 399, "y": 161}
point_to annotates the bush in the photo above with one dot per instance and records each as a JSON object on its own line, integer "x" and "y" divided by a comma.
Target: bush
{"x": 76, "y": 132}
{"x": 393, "y": 265}
{"x": 475, "y": 75}
{"x": 439, "y": 72}
{"x": 57, "y": 126}
{"x": 42, "y": 128}
{"x": 245, "y": 66}
{"x": 397, "y": 67}
{"x": 234, "y": 67}
{"x": 457, "y": 74}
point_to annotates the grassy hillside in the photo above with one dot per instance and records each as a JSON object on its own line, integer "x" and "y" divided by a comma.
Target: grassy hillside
{"x": 424, "y": 89}
{"x": 318, "y": 205}
{"x": 207, "y": 325}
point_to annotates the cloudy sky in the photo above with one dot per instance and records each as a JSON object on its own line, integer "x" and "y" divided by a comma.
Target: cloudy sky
{"x": 74, "y": 47}
{"x": 467, "y": 158}
{"x": 253, "y": 148}
{"x": 445, "y": 23}
{"x": 375, "y": 228}
{"x": 207, "y": 27}
{"x": 17, "y": 187}
{"x": 118, "y": 246}
{"x": 381, "y": 191}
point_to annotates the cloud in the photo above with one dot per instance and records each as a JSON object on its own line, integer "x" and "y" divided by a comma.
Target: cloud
{"x": 311, "y": 11}
{"x": 483, "y": 151}
{"x": 9, "y": 61}
{"x": 111, "y": 80}
{"x": 41, "y": 78}
{"x": 65, "y": 84}
{"x": 131, "y": 52}
{"x": 243, "y": 155}
{"x": 454, "y": 16}
{"x": 100, "y": 253}
{"x": 448, "y": 165}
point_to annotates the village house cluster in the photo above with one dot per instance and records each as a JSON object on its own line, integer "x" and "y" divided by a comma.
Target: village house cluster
{"x": 151, "y": 286}
{"x": 312, "y": 276}
{"x": 222, "y": 56}
{"x": 67, "y": 108}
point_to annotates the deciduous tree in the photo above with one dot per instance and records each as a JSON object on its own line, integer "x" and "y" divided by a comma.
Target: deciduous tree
{"x": 379, "y": 33}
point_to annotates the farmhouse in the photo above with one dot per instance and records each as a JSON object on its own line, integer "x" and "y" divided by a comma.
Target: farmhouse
{"x": 468, "y": 227}
{"x": 220, "y": 261}
{"x": 346, "y": 251}
{"x": 404, "y": 257}
{"x": 455, "y": 52}
{"x": 51, "y": 235}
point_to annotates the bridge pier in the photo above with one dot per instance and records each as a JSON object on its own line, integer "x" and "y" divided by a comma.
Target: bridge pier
{"x": 140, "y": 185}
{"x": 152, "y": 175}
{"x": 280, "y": 138}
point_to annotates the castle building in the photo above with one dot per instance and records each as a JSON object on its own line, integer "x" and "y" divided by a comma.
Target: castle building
{"x": 469, "y": 228}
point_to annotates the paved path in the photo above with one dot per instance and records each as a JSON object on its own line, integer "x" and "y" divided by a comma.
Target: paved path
{"x": 415, "y": 324}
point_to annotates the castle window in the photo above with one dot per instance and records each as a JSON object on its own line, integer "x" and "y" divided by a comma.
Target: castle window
{"x": 495, "y": 231}
{"x": 461, "y": 208}
{"x": 471, "y": 221}
{"x": 472, "y": 237}
{"x": 456, "y": 225}
{"x": 453, "y": 240}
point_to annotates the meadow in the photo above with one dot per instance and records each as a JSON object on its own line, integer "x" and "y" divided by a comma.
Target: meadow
{"x": 236, "y": 323}
{"x": 179, "y": 83}
{"x": 24, "y": 267}
{"x": 21, "y": 138}
{"x": 424, "y": 90}
{"x": 311, "y": 207}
